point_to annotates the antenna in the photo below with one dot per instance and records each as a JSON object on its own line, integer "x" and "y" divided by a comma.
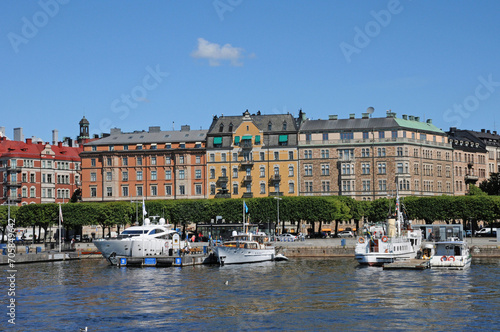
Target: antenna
{"x": 370, "y": 110}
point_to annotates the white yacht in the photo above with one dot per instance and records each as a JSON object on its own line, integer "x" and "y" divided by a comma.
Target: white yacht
{"x": 454, "y": 254}
{"x": 140, "y": 241}
{"x": 394, "y": 240}
{"x": 245, "y": 248}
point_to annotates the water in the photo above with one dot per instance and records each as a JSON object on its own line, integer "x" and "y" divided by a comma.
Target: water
{"x": 302, "y": 294}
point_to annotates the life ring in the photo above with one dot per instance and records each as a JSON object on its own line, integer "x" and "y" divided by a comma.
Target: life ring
{"x": 384, "y": 238}
{"x": 444, "y": 259}
{"x": 361, "y": 240}
{"x": 451, "y": 258}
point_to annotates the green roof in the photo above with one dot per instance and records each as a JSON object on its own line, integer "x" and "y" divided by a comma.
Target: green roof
{"x": 424, "y": 126}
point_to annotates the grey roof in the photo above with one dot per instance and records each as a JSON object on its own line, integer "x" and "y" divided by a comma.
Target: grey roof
{"x": 458, "y": 137}
{"x": 489, "y": 138}
{"x": 366, "y": 124}
{"x": 260, "y": 120}
{"x": 144, "y": 137}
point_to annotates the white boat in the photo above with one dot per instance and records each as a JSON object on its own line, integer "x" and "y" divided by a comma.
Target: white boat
{"x": 245, "y": 248}
{"x": 140, "y": 241}
{"x": 451, "y": 255}
{"x": 394, "y": 240}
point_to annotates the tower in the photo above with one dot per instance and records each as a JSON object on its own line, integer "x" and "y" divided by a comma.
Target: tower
{"x": 84, "y": 129}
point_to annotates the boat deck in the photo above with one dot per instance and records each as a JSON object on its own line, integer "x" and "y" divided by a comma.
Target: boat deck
{"x": 408, "y": 264}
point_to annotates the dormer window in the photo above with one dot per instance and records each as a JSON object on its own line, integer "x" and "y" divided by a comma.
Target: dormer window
{"x": 284, "y": 125}
{"x": 221, "y": 128}
{"x": 269, "y": 126}
{"x": 231, "y": 127}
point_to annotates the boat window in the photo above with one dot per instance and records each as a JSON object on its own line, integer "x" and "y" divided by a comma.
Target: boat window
{"x": 132, "y": 232}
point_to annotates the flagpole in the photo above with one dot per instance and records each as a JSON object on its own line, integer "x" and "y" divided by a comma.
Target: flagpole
{"x": 60, "y": 212}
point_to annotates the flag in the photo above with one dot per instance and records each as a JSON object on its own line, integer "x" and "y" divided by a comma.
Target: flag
{"x": 60, "y": 214}
{"x": 246, "y": 207}
{"x": 143, "y": 208}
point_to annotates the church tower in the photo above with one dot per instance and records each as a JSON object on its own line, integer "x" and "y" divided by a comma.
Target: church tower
{"x": 84, "y": 129}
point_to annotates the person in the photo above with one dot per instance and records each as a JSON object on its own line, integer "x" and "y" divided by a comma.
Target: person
{"x": 193, "y": 238}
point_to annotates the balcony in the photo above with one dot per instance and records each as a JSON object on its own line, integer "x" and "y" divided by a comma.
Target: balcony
{"x": 247, "y": 178}
{"x": 246, "y": 162}
{"x": 276, "y": 178}
{"x": 223, "y": 193}
{"x": 247, "y": 195}
{"x": 246, "y": 144}
{"x": 276, "y": 194}
{"x": 13, "y": 184}
{"x": 222, "y": 181}
{"x": 13, "y": 168}
{"x": 471, "y": 179}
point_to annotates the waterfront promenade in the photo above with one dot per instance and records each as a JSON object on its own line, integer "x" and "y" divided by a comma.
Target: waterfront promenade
{"x": 331, "y": 247}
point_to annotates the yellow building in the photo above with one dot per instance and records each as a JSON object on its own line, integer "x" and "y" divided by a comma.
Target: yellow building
{"x": 252, "y": 155}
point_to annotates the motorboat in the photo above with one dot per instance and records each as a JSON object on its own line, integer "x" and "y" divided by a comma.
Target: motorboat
{"x": 389, "y": 241}
{"x": 453, "y": 254}
{"x": 245, "y": 248}
{"x": 141, "y": 241}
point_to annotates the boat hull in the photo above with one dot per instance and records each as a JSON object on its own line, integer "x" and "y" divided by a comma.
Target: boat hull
{"x": 379, "y": 259}
{"x": 231, "y": 255}
{"x": 460, "y": 263}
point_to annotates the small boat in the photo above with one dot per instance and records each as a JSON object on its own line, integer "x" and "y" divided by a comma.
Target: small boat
{"x": 245, "y": 248}
{"x": 140, "y": 241}
{"x": 388, "y": 242}
{"x": 451, "y": 255}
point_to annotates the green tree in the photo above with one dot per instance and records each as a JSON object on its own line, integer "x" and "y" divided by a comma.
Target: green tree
{"x": 492, "y": 185}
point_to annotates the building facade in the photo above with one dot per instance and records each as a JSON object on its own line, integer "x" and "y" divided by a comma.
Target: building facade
{"x": 366, "y": 158}
{"x": 38, "y": 172}
{"x": 252, "y": 155}
{"x": 152, "y": 165}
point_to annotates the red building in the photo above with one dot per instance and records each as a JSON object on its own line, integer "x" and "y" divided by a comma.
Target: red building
{"x": 38, "y": 172}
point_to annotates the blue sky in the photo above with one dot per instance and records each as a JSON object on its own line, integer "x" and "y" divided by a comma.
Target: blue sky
{"x": 135, "y": 64}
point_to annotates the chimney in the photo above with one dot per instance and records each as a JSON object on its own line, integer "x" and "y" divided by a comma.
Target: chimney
{"x": 115, "y": 131}
{"x": 429, "y": 121}
{"x": 29, "y": 141}
{"x": 417, "y": 118}
{"x": 55, "y": 136}
{"x": 494, "y": 132}
{"x": 483, "y": 130}
{"x": 412, "y": 118}
{"x": 2, "y": 131}
{"x": 185, "y": 128}
{"x": 365, "y": 115}
{"x": 18, "y": 134}
{"x": 351, "y": 116}
{"x": 405, "y": 117}
{"x": 59, "y": 144}
{"x": 333, "y": 117}
{"x": 488, "y": 131}
{"x": 155, "y": 129}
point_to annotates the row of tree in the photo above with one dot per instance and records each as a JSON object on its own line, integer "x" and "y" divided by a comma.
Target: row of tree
{"x": 295, "y": 210}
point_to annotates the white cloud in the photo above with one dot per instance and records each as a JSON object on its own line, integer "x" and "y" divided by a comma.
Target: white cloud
{"x": 215, "y": 53}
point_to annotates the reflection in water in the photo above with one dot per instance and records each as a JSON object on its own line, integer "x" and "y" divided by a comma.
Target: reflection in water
{"x": 319, "y": 294}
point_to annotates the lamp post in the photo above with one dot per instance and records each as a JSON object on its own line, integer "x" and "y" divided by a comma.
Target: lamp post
{"x": 278, "y": 199}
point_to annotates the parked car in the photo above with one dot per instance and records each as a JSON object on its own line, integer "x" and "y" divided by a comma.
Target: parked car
{"x": 345, "y": 234}
{"x": 486, "y": 232}
{"x": 287, "y": 237}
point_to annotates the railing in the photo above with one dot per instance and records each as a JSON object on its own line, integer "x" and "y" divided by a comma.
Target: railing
{"x": 373, "y": 140}
{"x": 247, "y": 178}
{"x": 275, "y": 178}
{"x": 247, "y": 195}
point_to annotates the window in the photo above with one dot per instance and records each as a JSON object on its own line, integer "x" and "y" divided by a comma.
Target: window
{"x": 262, "y": 156}
{"x": 138, "y": 189}
{"x": 124, "y": 191}
{"x": 308, "y": 170}
{"x": 394, "y": 134}
{"x": 262, "y": 188}
{"x": 154, "y": 191}
{"x": 276, "y": 155}
{"x": 223, "y": 172}
{"x": 181, "y": 159}
{"x": 290, "y": 155}
{"x": 382, "y": 185}
{"x": 212, "y": 173}
{"x": 212, "y": 157}
{"x": 32, "y": 178}
{"x": 325, "y": 169}
{"x": 198, "y": 159}
{"x": 109, "y": 191}
{"x": 325, "y": 186}
{"x": 262, "y": 171}
{"x": 197, "y": 174}
{"x": 381, "y": 152}
{"x": 235, "y": 172}
{"x": 93, "y": 177}
{"x": 168, "y": 175}
{"x": 197, "y": 189}
{"x": 93, "y": 192}
{"x": 290, "y": 171}
{"x": 381, "y": 134}
{"x": 168, "y": 190}
{"x": 168, "y": 160}
{"x": 381, "y": 168}
{"x": 366, "y": 185}
{"x": 181, "y": 174}
{"x": 325, "y": 136}
{"x": 139, "y": 175}
{"x": 307, "y": 154}
{"x": 235, "y": 188}
{"x": 125, "y": 161}
{"x": 153, "y": 160}
{"x": 346, "y": 135}
{"x": 139, "y": 161}
{"x": 109, "y": 176}
{"x": 153, "y": 175}
{"x": 291, "y": 187}
{"x": 125, "y": 147}
{"x": 92, "y": 162}
{"x": 109, "y": 161}
{"x": 308, "y": 137}
{"x": 365, "y": 168}
{"x": 182, "y": 190}
{"x": 366, "y": 135}
{"x": 399, "y": 168}
{"x": 25, "y": 192}
{"x": 235, "y": 156}
{"x": 124, "y": 176}
{"x": 33, "y": 192}
{"x": 309, "y": 186}
{"x": 400, "y": 151}
{"x": 269, "y": 126}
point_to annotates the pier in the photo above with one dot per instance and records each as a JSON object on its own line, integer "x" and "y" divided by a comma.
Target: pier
{"x": 166, "y": 261}
{"x": 408, "y": 264}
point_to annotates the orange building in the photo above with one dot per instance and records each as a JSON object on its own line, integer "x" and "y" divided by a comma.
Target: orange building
{"x": 152, "y": 164}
